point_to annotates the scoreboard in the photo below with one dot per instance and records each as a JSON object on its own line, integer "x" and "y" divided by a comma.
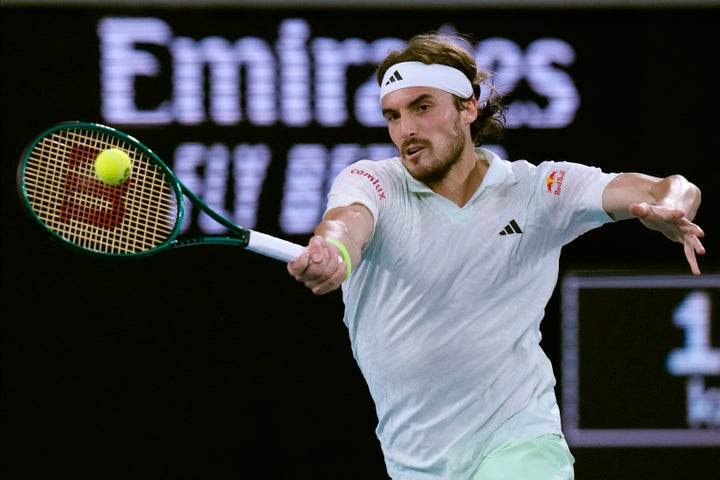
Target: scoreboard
{"x": 641, "y": 360}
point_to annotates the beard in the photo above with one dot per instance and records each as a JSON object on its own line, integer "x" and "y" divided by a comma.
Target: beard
{"x": 447, "y": 157}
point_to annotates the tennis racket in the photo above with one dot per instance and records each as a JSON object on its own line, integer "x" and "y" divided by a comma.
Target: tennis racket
{"x": 139, "y": 217}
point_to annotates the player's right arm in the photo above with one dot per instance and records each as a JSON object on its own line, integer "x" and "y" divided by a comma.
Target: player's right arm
{"x": 319, "y": 267}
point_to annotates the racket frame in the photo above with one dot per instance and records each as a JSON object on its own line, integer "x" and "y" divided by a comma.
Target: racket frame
{"x": 248, "y": 239}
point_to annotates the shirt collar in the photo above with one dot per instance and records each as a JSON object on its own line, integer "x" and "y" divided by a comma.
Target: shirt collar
{"x": 497, "y": 173}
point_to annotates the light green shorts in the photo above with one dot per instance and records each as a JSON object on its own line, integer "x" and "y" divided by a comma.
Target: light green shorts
{"x": 543, "y": 458}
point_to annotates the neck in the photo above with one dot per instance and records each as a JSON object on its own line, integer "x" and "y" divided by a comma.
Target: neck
{"x": 463, "y": 180}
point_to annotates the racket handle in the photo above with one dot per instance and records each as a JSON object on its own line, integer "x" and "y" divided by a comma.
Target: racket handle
{"x": 273, "y": 247}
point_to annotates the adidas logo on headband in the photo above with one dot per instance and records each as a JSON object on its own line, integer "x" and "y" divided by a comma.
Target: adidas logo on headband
{"x": 418, "y": 74}
{"x": 394, "y": 78}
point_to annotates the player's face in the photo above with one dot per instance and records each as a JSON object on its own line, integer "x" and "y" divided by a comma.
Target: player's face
{"x": 429, "y": 132}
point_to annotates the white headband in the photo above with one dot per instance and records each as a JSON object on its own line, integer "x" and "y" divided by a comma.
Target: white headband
{"x": 418, "y": 74}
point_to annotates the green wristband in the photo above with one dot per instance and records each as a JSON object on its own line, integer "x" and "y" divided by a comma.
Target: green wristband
{"x": 343, "y": 253}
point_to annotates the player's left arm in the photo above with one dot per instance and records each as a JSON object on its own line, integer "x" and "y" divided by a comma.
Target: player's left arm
{"x": 667, "y": 205}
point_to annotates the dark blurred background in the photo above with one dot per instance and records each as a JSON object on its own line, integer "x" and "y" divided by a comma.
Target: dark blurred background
{"x": 211, "y": 362}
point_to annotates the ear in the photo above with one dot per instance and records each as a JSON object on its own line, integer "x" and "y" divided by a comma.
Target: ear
{"x": 470, "y": 112}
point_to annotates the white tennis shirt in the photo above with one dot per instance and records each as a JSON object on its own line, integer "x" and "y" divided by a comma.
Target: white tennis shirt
{"x": 444, "y": 310}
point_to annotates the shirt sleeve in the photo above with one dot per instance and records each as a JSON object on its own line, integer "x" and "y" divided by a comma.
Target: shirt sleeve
{"x": 361, "y": 183}
{"x": 573, "y": 193}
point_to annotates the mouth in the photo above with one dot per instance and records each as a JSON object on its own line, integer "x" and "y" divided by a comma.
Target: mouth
{"x": 412, "y": 150}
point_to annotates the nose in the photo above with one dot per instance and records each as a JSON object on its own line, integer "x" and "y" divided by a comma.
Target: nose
{"x": 407, "y": 126}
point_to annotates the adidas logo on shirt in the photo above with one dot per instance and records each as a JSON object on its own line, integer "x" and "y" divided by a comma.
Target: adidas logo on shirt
{"x": 511, "y": 228}
{"x": 394, "y": 78}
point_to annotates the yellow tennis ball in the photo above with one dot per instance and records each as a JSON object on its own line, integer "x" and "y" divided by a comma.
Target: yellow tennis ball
{"x": 113, "y": 166}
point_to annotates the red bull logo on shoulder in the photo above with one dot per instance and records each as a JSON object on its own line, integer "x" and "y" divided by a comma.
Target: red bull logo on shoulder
{"x": 554, "y": 181}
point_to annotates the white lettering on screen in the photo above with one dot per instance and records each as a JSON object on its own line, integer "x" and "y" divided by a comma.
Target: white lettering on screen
{"x": 297, "y": 81}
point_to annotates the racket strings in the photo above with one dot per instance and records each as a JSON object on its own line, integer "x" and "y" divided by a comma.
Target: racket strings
{"x": 137, "y": 215}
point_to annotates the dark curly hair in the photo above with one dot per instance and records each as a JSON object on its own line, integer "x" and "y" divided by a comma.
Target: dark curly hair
{"x": 454, "y": 51}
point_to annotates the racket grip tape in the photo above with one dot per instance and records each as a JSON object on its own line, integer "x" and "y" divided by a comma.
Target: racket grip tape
{"x": 273, "y": 247}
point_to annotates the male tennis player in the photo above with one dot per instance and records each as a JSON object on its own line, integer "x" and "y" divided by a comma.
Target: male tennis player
{"x": 451, "y": 255}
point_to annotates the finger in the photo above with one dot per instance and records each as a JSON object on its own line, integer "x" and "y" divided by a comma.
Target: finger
{"x": 640, "y": 210}
{"x": 699, "y": 233}
{"x": 332, "y": 282}
{"x": 299, "y": 265}
{"x": 698, "y": 246}
{"x": 330, "y": 261}
{"x": 692, "y": 234}
{"x": 692, "y": 260}
{"x": 318, "y": 256}
{"x": 321, "y": 266}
